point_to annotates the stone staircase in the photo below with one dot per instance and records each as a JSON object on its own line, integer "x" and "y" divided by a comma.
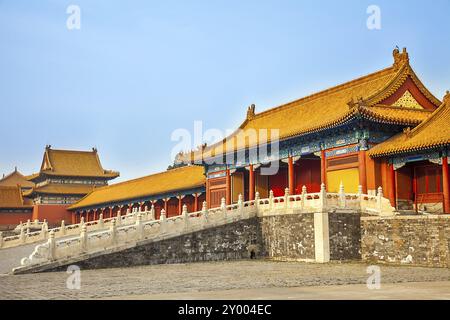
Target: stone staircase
{"x": 141, "y": 227}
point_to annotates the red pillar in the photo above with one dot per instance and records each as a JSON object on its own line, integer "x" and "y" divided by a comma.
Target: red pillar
{"x": 291, "y": 175}
{"x": 251, "y": 183}
{"x": 446, "y": 184}
{"x": 323, "y": 167}
{"x": 362, "y": 170}
{"x": 392, "y": 191}
{"x": 228, "y": 188}
{"x": 195, "y": 202}
{"x": 180, "y": 205}
{"x": 87, "y": 216}
{"x": 165, "y": 206}
{"x": 110, "y": 212}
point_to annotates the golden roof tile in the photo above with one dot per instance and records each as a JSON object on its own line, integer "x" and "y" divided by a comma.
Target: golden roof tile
{"x": 183, "y": 178}
{"x": 11, "y": 197}
{"x": 16, "y": 178}
{"x": 74, "y": 164}
{"x": 434, "y": 132}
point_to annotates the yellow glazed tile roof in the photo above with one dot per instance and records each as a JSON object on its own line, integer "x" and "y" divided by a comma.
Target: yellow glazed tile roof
{"x": 74, "y": 164}
{"x": 433, "y": 132}
{"x": 182, "y": 178}
{"x": 11, "y": 197}
{"x": 16, "y": 178}
{"x": 63, "y": 189}
{"x": 329, "y": 108}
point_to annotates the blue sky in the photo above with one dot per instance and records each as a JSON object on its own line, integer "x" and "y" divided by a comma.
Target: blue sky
{"x": 138, "y": 70}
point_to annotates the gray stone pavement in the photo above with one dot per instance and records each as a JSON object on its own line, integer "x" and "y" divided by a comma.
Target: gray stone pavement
{"x": 248, "y": 278}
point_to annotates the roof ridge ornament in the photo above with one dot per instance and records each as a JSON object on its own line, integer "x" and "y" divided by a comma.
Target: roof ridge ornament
{"x": 446, "y": 98}
{"x": 251, "y": 112}
{"x": 400, "y": 59}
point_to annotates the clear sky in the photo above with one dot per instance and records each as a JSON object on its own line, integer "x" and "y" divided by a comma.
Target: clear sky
{"x": 138, "y": 70}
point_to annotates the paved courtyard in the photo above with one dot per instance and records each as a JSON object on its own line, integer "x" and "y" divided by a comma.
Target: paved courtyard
{"x": 232, "y": 280}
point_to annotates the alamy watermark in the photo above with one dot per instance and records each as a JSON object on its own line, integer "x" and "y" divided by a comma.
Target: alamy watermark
{"x": 374, "y": 20}
{"x": 73, "y": 21}
{"x": 73, "y": 282}
{"x": 374, "y": 280}
{"x": 214, "y": 146}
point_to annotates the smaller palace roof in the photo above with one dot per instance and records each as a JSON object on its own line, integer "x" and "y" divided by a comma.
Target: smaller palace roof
{"x": 183, "y": 178}
{"x": 61, "y": 189}
{"x": 69, "y": 163}
{"x": 11, "y": 198}
{"x": 16, "y": 178}
{"x": 432, "y": 133}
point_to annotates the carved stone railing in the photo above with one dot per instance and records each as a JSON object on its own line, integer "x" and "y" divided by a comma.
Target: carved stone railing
{"x": 145, "y": 227}
{"x": 25, "y": 236}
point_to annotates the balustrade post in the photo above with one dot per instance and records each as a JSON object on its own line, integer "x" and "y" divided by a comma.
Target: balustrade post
{"x": 323, "y": 198}
{"x": 139, "y": 227}
{"x": 286, "y": 198}
{"x": 83, "y": 239}
{"x": 341, "y": 196}
{"x": 22, "y": 234}
{"x": 380, "y": 199}
{"x": 62, "y": 230}
{"x": 152, "y": 212}
{"x": 28, "y": 224}
{"x": 240, "y": 205}
{"x": 223, "y": 206}
{"x": 185, "y": 213}
{"x": 146, "y": 212}
{"x": 162, "y": 220}
{"x": 257, "y": 198}
{"x": 360, "y": 196}
{"x": 205, "y": 212}
{"x": 44, "y": 230}
{"x": 101, "y": 223}
{"x": 119, "y": 218}
{"x": 82, "y": 221}
{"x": 1, "y": 239}
{"x": 113, "y": 232}
{"x": 51, "y": 245}
{"x": 270, "y": 200}
{"x": 303, "y": 202}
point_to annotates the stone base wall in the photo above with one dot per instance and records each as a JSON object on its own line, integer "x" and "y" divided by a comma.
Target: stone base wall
{"x": 413, "y": 240}
{"x": 289, "y": 237}
{"x": 229, "y": 242}
{"x": 345, "y": 235}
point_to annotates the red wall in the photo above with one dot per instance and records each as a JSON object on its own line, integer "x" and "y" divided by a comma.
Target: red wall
{"x": 11, "y": 220}
{"x": 53, "y": 213}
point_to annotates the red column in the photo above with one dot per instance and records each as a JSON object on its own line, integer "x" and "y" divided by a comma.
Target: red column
{"x": 228, "y": 188}
{"x": 362, "y": 170}
{"x": 180, "y": 205}
{"x": 165, "y": 206}
{"x": 446, "y": 184}
{"x": 392, "y": 191}
{"x": 251, "y": 183}
{"x": 110, "y": 212}
{"x": 291, "y": 175}
{"x": 87, "y": 216}
{"x": 323, "y": 167}
{"x": 195, "y": 202}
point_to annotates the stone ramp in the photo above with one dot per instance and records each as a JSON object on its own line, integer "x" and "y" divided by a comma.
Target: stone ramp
{"x": 10, "y": 257}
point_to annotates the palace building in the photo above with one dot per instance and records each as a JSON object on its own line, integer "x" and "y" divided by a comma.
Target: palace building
{"x": 385, "y": 129}
{"x": 65, "y": 177}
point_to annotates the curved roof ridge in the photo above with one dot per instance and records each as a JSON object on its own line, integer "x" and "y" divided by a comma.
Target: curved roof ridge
{"x": 330, "y": 90}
